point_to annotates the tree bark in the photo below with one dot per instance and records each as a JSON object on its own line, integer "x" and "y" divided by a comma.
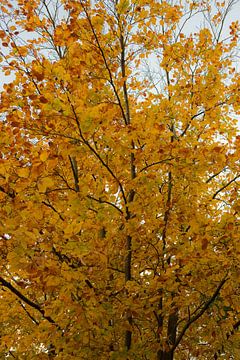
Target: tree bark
{"x": 165, "y": 355}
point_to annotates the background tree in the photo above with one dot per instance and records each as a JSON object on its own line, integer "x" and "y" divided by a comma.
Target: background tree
{"x": 119, "y": 186}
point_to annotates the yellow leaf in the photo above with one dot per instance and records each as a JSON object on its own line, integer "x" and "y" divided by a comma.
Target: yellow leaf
{"x": 24, "y": 172}
{"x": 45, "y": 183}
{"x": 44, "y": 156}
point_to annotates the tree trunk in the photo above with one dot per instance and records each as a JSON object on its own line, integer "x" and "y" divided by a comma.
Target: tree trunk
{"x": 165, "y": 355}
{"x": 171, "y": 338}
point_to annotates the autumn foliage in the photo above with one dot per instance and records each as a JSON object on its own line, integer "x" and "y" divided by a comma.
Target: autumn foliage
{"x": 119, "y": 180}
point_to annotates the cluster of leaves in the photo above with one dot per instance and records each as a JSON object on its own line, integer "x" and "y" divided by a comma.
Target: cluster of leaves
{"x": 119, "y": 187}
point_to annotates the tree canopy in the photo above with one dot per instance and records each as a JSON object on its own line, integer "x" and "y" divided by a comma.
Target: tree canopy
{"x": 119, "y": 180}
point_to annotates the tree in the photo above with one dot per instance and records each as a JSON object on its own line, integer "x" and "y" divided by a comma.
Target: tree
{"x": 119, "y": 183}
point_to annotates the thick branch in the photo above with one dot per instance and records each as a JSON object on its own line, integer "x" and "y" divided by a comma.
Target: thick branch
{"x": 28, "y": 313}
{"x": 200, "y": 313}
{"x": 29, "y": 302}
{"x": 225, "y": 186}
{"x": 123, "y": 70}
{"x": 214, "y": 175}
{"x": 74, "y": 167}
